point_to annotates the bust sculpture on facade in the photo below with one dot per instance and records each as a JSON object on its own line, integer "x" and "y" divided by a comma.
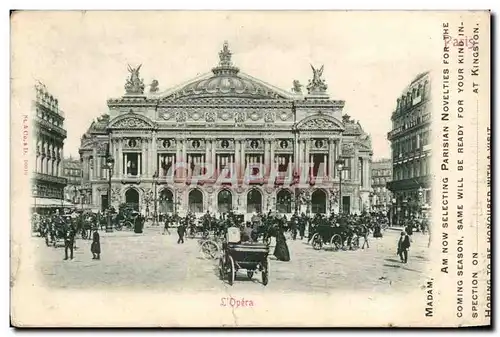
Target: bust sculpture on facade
{"x": 297, "y": 87}
{"x": 154, "y": 86}
{"x": 317, "y": 85}
{"x": 134, "y": 85}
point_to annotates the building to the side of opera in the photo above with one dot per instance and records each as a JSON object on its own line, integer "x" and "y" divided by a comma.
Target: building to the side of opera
{"x": 226, "y": 140}
{"x": 411, "y": 151}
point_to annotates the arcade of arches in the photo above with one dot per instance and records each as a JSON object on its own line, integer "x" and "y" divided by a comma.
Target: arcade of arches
{"x": 226, "y": 202}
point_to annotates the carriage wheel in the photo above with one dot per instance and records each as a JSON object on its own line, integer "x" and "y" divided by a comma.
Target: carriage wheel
{"x": 209, "y": 249}
{"x": 265, "y": 272}
{"x": 250, "y": 274}
{"x": 355, "y": 242}
{"x": 232, "y": 272}
{"x": 336, "y": 241}
{"x": 317, "y": 242}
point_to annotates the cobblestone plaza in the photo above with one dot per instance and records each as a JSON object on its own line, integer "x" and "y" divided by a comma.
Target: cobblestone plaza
{"x": 152, "y": 260}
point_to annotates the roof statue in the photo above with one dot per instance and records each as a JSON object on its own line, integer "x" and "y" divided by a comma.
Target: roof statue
{"x": 297, "y": 87}
{"x": 225, "y": 56}
{"x": 134, "y": 85}
{"x": 317, "y": 85}
{"x": 154, "y": 86}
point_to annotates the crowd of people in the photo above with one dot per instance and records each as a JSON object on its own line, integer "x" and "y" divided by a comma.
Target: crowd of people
{"x": 261, "y": 227}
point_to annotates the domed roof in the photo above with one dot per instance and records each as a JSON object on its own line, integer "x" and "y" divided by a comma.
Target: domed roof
{"x": 227, "y": 81}
{"x": 227, "y": 85}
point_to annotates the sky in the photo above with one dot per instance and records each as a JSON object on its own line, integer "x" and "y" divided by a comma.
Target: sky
{"x": 82, "y": 57}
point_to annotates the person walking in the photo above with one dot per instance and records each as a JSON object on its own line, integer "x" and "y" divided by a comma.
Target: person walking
{"x": 166, "y": 226}
{"x": 95, "y": 247}
{"x": 365, "y": 239}
{"x": 403, "y": 246}
{"x": 181, "y": 230}
{"x": 69, "y": 240}
{"x": 281, "y": 250}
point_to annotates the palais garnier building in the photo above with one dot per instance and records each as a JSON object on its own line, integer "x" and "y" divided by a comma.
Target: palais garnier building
{"x": 226, "y": 141}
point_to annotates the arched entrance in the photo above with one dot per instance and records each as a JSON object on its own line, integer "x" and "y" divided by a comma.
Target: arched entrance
{"x": 224, "y": 201}
{"x": 254, "y": 201}
{"x": 195, "y": 201}
{"x": 132, "y": 198}
{"x": 284, "y": 201}
{"x": 166, "y": 202}
{"x": 318, "y": 202}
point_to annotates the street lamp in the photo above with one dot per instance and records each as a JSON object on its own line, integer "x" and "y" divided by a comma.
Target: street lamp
{"x": 110, "y": 162}
{"x": 340, "y": 167}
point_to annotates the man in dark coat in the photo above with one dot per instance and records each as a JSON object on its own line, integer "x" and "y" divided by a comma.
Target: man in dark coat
{"x": 181, "y": 230}
{"x": 166, "y": 226}
{"x": 69, "y": 240}
{"x": 95, "y": 248}
{"x": 403, "y": 246}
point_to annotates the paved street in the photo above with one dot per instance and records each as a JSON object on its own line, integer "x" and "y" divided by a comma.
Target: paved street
{"x": 152, "y": 260}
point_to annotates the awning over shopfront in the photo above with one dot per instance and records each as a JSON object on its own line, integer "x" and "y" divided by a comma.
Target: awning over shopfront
{"x": 50, "y": 203}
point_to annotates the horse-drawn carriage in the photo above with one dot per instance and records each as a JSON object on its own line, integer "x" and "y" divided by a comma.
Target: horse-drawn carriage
{"x": 337, "y": 236}
{"x": 57, "y": 230}
{"x": 237, "y": 255}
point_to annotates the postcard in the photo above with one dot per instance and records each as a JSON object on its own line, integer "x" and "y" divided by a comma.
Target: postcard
{"x": 250, "y": 169}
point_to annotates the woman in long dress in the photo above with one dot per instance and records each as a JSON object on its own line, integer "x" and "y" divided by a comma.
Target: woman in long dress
{"x": 377, "y": 231}
{"x": 281, "y": 250}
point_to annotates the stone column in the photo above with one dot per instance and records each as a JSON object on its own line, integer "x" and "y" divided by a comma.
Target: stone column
{"x": 243, "y": 157}
{"x": 125, "y": 164}
{"x": 153, "y": 155}
{"x": 146, "y": 166}
{"x": 267, "y": 153}
{"x": 354, "y": 169}
{"x": 306, "y": 152}
{"x": 120, "y": 157}
{"x": 184, "y": 156}
{"x": 325, "y": 165}
{"x": 298, "y": 159}
{"x": 115, "y": 155}
{"x": 335, "y": 157}
{"x": 213, "y": 145}
{"x": 207, "y": 152}
{"x": 330, "y": 158}
{"x": 237, "y": 157}
{"x": 367, "y": 167}
{"x": 177, "y": 155}
{"x": 94, "y": 163}
{"x": 272, "y": 145}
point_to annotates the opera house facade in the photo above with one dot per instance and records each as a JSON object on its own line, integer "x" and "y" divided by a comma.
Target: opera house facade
{"x": 226, "y": 141}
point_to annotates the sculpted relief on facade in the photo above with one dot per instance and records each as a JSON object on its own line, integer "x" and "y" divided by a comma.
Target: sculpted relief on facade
{"x": 319, "y": 124}
{"x": 131, "y": 123}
